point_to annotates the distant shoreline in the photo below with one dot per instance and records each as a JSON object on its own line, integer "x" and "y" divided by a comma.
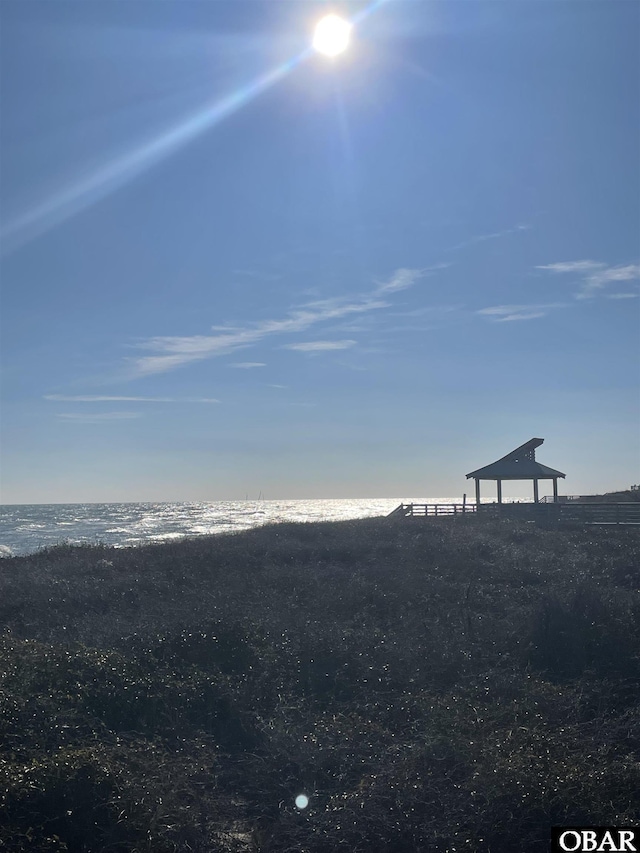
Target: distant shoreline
{"x": 25, "y": 529}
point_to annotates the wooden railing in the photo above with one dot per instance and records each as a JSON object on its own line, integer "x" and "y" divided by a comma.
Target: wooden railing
{"x": 554, "y": 513}
{"x": 432, "y": 510}
{"x": 600, "y": 513}
{"x": 549, "y": 499}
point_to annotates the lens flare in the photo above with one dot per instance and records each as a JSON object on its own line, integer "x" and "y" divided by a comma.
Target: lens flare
{"x": 331, "y": 37}
{"x": 76, "y": 197}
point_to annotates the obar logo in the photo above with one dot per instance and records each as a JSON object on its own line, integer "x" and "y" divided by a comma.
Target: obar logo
{"x": 595, "y": 839}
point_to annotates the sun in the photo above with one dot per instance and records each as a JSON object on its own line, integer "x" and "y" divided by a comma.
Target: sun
{"x": 331, "y": 35}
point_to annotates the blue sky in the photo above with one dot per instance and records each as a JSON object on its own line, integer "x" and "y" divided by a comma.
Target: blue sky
{"x": 232, "y": 266}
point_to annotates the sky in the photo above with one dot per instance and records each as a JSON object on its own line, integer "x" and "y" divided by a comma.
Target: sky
{"x": 233, "y": 267}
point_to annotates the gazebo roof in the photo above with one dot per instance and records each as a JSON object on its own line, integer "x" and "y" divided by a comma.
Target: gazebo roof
{"x": 520, "y": 464}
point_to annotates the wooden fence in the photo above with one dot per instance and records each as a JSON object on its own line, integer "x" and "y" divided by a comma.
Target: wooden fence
{"x": 432, "y": 510}
{"x": 570, "y": 512}
{"x": 599, "y": 513}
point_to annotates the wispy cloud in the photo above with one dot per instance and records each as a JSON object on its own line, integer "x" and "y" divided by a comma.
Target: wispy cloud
{"x": 427, "y": 310}
{"x": 83, "y": 417}
{"x": 572, "y": 266}
{"x": 481, "y": 238}
{"x": 93, "y": 398}
{"x": 247, "y": 365}
{"x": 320, "y": 346}
{"x": 172, "y": 352}
{"x": 405, "y": 277}
{"x": 595, "y": 276}
{"x": 622, "y": 295}
{"x": 227, "y": 328}
{"x": 508, "y": 313}
{"x": 601, "y": 278}
{"x": 168, "y": 353}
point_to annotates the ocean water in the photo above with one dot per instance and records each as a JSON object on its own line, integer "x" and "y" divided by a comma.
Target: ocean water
{"x": 25, "y": 528}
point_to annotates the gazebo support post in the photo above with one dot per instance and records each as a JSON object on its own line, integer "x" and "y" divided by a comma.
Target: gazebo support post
{"x": 555, "y": 490}
{"x": 535, "y": 491}
{"x": 499, "y": 482}
{"x": 477, "y": 494}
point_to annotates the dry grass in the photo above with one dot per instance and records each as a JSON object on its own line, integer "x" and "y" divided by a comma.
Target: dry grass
{"x": 437, "y": 686}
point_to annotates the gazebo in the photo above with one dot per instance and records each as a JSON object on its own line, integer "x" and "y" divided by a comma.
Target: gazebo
{"x": 520, "y": 464}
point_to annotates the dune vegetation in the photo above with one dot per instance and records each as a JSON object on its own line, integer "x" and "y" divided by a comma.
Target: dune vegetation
{"x": 624, "y": 496}
{"x": 441, "y": 686}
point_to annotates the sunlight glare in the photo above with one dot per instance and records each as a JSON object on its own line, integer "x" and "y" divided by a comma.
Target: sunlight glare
{"x": 82, "y": 194}
{"x": 331, "y": 35}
